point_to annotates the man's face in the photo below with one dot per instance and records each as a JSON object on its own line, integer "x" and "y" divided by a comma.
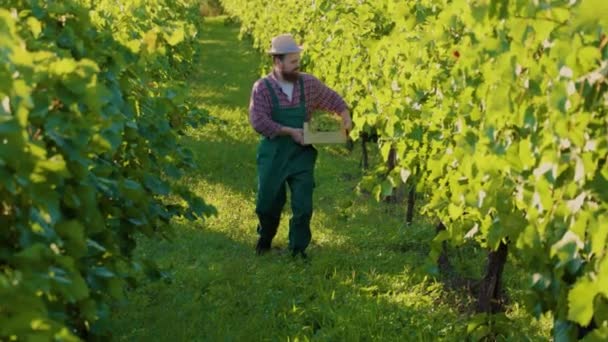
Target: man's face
{"x": 290, "y": 67}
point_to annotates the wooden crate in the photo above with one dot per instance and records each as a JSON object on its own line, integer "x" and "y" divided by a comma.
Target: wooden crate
{"x": 336, "y": 137}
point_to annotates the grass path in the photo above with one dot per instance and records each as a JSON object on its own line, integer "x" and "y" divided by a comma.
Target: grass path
{"x": 364, "y": 281}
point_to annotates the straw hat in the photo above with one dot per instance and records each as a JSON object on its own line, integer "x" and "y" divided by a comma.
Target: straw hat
{"x": 284, "y": 44}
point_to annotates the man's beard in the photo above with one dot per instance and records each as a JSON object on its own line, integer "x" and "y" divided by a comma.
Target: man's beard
{"x": 291, "y": 76}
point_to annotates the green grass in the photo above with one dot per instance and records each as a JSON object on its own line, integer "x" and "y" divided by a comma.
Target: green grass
{"x": 365, "y": 280}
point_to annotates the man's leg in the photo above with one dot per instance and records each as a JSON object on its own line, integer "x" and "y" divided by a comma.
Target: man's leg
{"x": 269, "y": 205}
{"x": 301, "y": 185}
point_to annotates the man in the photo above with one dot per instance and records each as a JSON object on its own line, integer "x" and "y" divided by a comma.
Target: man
{"x": 280, "y": 104}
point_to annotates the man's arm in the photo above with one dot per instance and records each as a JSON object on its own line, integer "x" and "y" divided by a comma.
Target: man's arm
{"x": 260, "y": 112}
{"x": 325, "y": 98}
{"x": 260, "y": 116}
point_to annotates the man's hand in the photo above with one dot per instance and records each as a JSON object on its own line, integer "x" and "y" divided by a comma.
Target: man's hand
{"x": 297, "y": 134}
{"x": 347, "y": 122}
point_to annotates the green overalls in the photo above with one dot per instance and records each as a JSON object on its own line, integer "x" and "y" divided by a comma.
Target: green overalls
{"x": 281, "y": 160}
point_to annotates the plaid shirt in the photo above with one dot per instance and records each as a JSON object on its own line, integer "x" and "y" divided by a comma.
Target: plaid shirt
{"x": 318, "y": 97}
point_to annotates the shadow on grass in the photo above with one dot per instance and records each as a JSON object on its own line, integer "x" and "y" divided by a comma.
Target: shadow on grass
{"x": 219, "y": 290}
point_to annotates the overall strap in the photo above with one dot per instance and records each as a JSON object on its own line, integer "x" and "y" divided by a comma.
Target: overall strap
{"x": 302, "y": 97}
{"x": 273, "y": 95}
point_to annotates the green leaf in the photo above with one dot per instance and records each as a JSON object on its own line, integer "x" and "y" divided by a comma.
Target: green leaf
{"x": 564, "y": 331}
{"x": 526, "y": 154}
{"x": 600, "y": 310}
{"x": 405, "y": 175}
{"x": 385, "y": 151}
{"x": 63, "y": 67}
{"x": 387, "y": 188}
{"x": 102, "y": 272}
{"x": 55, "y": 164}
{"x": 34, "y": 26}
{"x": 115, "y": 288}
{"x": 70, "y": 199}
{"x": 567, "y": 247}
{"x": 588, "y": 13}
{"x": 580, "y": 301}
{"x": 65, "y": 335}
{"x": 455, "y": 211}
{"x": 588, "y": 58}
{"x": 92, "y": 244}
{"x": 599, "y": 235}
{"x": 541, "y": 282}
{"x": 79, "y": 289}
{"x": 73, "y": 233}
{"x": 597, "y": 335}
{"x": 157, "y": 186}
{"x": 544, "y": 194}
{"x": 175, "y": 37}
{"x": 376, "y": 191}
{"x": 559, "y": 97}
{"x": 132, "y": 190}
{"x": 173, "y": 171}
{"x": 37, "y": 254}
{"x": 9, "y": 127}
